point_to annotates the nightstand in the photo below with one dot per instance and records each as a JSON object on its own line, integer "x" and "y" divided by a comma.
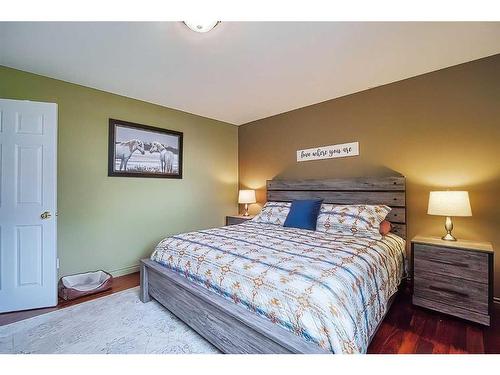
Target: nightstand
{"x": 453, "y": 277}
{"x": 237, "y": 219}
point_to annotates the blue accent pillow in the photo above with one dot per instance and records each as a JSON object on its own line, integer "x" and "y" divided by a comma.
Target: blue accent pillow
{"x": 303, "y": 214}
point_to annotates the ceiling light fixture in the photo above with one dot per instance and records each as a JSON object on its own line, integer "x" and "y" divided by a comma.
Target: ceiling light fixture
{"x": 201, "y": 27}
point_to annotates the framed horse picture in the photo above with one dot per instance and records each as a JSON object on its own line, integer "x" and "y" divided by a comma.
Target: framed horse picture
{"x": 137, "y": 150}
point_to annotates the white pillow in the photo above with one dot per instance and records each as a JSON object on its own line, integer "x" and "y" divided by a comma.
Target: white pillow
{"x": 273, "y": 213}
{"x": 361, "y": 220}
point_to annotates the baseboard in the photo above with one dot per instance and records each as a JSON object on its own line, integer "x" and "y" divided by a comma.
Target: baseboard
{"x": 125, "y": 270}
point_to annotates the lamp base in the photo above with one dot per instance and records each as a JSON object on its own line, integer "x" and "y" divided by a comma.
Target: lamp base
{"x": 246, "y": 210}
{"x": 448, "y": 225}
{"x": 448, "y": 237}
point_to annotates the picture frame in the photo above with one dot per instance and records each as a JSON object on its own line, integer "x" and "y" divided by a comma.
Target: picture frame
{"x": 136, "y": 150}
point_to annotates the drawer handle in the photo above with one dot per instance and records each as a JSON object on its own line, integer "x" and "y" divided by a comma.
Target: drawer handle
{"x": 449, "y": 291}
{"x": 458, "y": 264}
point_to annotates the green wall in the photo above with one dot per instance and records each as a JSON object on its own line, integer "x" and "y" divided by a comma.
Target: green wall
{"x": 111, "y": 222}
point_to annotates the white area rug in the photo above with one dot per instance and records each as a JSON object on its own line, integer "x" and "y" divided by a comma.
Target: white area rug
{"x": 118, "y": 323}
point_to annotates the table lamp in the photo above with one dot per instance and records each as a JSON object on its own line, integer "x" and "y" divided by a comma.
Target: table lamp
{"x": 246, "y": 197}
{"x": 449, "y": 203}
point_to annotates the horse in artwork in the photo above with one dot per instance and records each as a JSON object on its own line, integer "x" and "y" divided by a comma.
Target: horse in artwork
{"x": 124, "y": 151}
{"x": 166, "y": 157}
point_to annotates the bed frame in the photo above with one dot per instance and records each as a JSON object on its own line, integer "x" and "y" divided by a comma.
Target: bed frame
{"x": 232, "y": 328}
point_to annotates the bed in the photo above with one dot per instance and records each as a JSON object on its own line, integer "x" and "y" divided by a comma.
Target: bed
{"x": 262, "y": 288}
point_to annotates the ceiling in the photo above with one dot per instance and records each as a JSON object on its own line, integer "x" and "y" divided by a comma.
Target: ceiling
{"x": 241, "y": 71}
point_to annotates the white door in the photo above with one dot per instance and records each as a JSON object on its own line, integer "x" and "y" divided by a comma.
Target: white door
{"x": 28, "y": 251}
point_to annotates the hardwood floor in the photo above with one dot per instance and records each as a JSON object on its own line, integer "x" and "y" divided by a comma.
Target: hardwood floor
{"x": 119, "y": 283}
{"x": 406, "y": 328}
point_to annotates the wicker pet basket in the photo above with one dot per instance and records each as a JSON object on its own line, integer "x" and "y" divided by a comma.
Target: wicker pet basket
{"x": 84, "y": 284}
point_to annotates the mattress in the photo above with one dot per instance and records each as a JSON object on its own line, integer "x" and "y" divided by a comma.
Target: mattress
{"x": 331, "y": 290}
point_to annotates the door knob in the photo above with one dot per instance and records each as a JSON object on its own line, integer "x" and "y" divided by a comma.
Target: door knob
{"x": 46, "y": 215}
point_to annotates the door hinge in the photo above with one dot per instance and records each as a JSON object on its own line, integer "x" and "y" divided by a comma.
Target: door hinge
{"x": 57, "y": 263}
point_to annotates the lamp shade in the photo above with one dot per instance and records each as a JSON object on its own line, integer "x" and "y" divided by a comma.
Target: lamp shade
{"x": 449, "y": 203}
{"x": 247, "y": 196}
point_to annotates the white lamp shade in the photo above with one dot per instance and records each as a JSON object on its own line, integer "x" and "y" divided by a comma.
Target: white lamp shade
{"x": 449, "y": 203}
{"x": 247, "y": 196}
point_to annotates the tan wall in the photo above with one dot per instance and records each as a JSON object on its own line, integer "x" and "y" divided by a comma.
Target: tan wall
{"x": 440, "y": 130}
{"x": 111, "y": 222}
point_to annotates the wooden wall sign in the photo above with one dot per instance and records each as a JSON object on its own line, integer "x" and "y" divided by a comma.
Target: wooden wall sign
{"x": 329, "y": 152}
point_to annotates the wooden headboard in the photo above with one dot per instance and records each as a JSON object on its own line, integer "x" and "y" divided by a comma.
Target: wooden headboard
{"x": 390, "y": 191}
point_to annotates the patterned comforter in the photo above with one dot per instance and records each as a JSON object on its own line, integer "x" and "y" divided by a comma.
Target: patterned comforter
{"x": 332, "y": 290}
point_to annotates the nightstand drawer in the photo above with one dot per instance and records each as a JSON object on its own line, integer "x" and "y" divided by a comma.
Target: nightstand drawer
{"x": 453, "y": 277}
{"x": 464, "y": 264}
{"x": 461, "y": 293}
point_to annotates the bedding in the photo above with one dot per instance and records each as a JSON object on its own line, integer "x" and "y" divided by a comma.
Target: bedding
{"x": 358, "y": 220}
{"x": 385, "y": 227}
{"x": 303, "y": 214}
{"x": 330, "y": 289}
{"x": 273, "y": 213}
